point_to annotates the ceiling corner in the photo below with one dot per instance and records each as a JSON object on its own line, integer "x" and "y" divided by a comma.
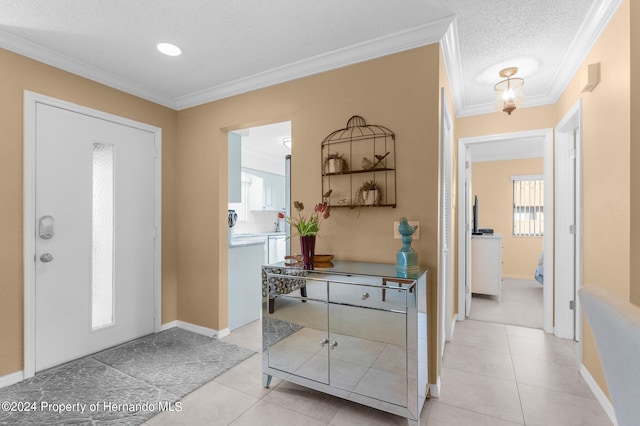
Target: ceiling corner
{"x": 597, "y": 19}
{"x": 61, "y": 61}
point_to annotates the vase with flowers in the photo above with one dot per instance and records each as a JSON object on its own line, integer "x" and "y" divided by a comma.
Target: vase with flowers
{"x": 308, "y": 227}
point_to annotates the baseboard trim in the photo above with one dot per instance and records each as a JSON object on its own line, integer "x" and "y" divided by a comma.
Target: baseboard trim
{"x": 597, "y": 392}
{"x": 454, "y": 320}
{"x": 168, "y": 326}
{"x": 11, "y": 379}
{"x": 434, "y": 389}
{"x": 205, "y": 331}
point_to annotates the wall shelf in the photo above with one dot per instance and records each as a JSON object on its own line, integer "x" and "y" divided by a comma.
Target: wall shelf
{"x": 366, "y": 155}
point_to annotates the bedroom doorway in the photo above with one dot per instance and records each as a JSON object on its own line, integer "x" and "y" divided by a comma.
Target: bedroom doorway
{"x": 568, "y": 223}
{"x": 536, "y": 143}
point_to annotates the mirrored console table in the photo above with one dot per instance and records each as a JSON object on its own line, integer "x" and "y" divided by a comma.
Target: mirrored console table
{"x": 354, "y": 330}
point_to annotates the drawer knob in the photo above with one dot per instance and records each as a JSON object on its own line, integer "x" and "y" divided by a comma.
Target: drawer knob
{"x": 364, "y": 296}
{"x": 333, "y": 344}
{"x": 324, "y": 342}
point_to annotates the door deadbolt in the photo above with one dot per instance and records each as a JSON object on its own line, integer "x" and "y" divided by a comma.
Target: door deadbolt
{"x": 45, "y": 228}
{"x": 46, "y": 258}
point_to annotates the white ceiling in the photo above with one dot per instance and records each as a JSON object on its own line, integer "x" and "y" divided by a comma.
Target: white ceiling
{"x": 231, "y": 47}
{"x": 507, "y": 149}
{"x": 262, "y": 147}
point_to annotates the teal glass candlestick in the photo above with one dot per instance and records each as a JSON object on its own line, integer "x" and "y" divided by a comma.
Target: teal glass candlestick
{"x": 406, "y": 258}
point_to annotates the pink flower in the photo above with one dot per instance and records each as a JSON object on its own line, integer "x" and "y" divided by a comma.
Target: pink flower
{"x": 310, "y": 225}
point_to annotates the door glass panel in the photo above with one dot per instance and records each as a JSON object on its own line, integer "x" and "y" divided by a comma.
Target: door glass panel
{"x": 102, "y": 236}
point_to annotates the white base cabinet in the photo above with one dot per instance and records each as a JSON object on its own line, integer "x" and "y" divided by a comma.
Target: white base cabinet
{"x": 486, "y": 265}
{"x": 244, "y": 266}
{"x": 358, "y": 332}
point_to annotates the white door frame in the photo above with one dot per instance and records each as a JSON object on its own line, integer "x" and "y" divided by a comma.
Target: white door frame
{"x": 463, "y": 144}
{"x": 567, "y": 322}
{"x": 445, "y": 287}
{"x": 31, "y": 100}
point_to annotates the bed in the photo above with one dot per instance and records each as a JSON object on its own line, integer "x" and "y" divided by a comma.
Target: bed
{"x": 539, "y": 274}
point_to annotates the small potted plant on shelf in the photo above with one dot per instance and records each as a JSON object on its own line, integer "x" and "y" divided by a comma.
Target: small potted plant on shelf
{"x": 368, "y": 194}
{"x": 335, "y": 163}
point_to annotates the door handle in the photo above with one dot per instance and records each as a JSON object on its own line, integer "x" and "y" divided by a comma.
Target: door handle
{"x": 45, "y": 228}
{"x": 46, "y": 258}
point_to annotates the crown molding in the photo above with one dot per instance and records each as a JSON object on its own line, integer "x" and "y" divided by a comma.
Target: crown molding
{"x": 56, "y": 59}
{"x": 597, "y": 19}
{"x": 453, "y": 64}
{"x": 411, "y": 38}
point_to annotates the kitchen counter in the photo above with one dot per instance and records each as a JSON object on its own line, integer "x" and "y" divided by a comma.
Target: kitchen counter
{"x": 274, "y": 243}
{"x": 245, "y": 243}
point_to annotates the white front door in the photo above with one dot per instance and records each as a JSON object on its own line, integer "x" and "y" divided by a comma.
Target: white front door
{"x": 94, "y": 234}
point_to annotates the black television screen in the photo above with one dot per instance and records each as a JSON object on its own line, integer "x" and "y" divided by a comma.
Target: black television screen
{"x": 475, "y": 215}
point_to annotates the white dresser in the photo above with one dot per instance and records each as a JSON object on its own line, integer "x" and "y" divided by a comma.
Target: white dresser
{"x": 486, "y": 265}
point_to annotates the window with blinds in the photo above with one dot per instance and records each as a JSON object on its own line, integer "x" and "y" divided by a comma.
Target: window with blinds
{"x": 528, "y": 205}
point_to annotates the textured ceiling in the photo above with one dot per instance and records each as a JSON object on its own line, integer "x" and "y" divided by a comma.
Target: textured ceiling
{"x": 232, "y": 47}
{"x": 532, "y": 35}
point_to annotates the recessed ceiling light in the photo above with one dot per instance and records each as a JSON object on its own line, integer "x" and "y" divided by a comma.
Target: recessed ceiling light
{"x": 169, "y": 49}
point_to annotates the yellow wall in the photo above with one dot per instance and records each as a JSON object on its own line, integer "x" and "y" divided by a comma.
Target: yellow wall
{"x": 542, "y": 117}
{"x": 491, "y": 182}
{"x": 398, "y": 91}
{"x": 19, "y": 74}
{"x": 606, "y": 170}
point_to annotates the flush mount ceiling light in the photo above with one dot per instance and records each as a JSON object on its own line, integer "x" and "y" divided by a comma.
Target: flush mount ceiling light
{"x": 169, "y": 49}
{"x": 508, "y": 93}
{"x": 286, "y": 142}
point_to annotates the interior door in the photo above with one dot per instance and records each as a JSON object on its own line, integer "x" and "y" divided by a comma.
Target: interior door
{"x": 467, "y": 205}
{"x": 94, "y": 263}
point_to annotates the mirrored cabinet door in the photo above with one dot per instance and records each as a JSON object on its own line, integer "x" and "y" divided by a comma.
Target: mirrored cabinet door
{"x": 368, "y": 345}
{"x": 297, "y": 330}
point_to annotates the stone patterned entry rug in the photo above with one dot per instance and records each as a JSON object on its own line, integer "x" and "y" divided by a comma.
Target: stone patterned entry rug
{"x": 125, "y": 385}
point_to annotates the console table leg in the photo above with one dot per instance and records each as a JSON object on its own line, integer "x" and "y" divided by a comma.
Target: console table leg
{"x": 384, "y": 291}
{"x": 266, "y": 380}
{"x": 303, "y": 292}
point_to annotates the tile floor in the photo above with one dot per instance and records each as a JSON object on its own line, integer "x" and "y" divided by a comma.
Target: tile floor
{"x": 521, "y": 305}
{"x": 493, "y": 374}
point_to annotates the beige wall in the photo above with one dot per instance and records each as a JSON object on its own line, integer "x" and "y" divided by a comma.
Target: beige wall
{"x": 398, "y": 91}
{"x": 491, "y": 182}
{"x": 634, "y": 233}
{"x": 607, "y": 168}
{"x": 19, "y": 74}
